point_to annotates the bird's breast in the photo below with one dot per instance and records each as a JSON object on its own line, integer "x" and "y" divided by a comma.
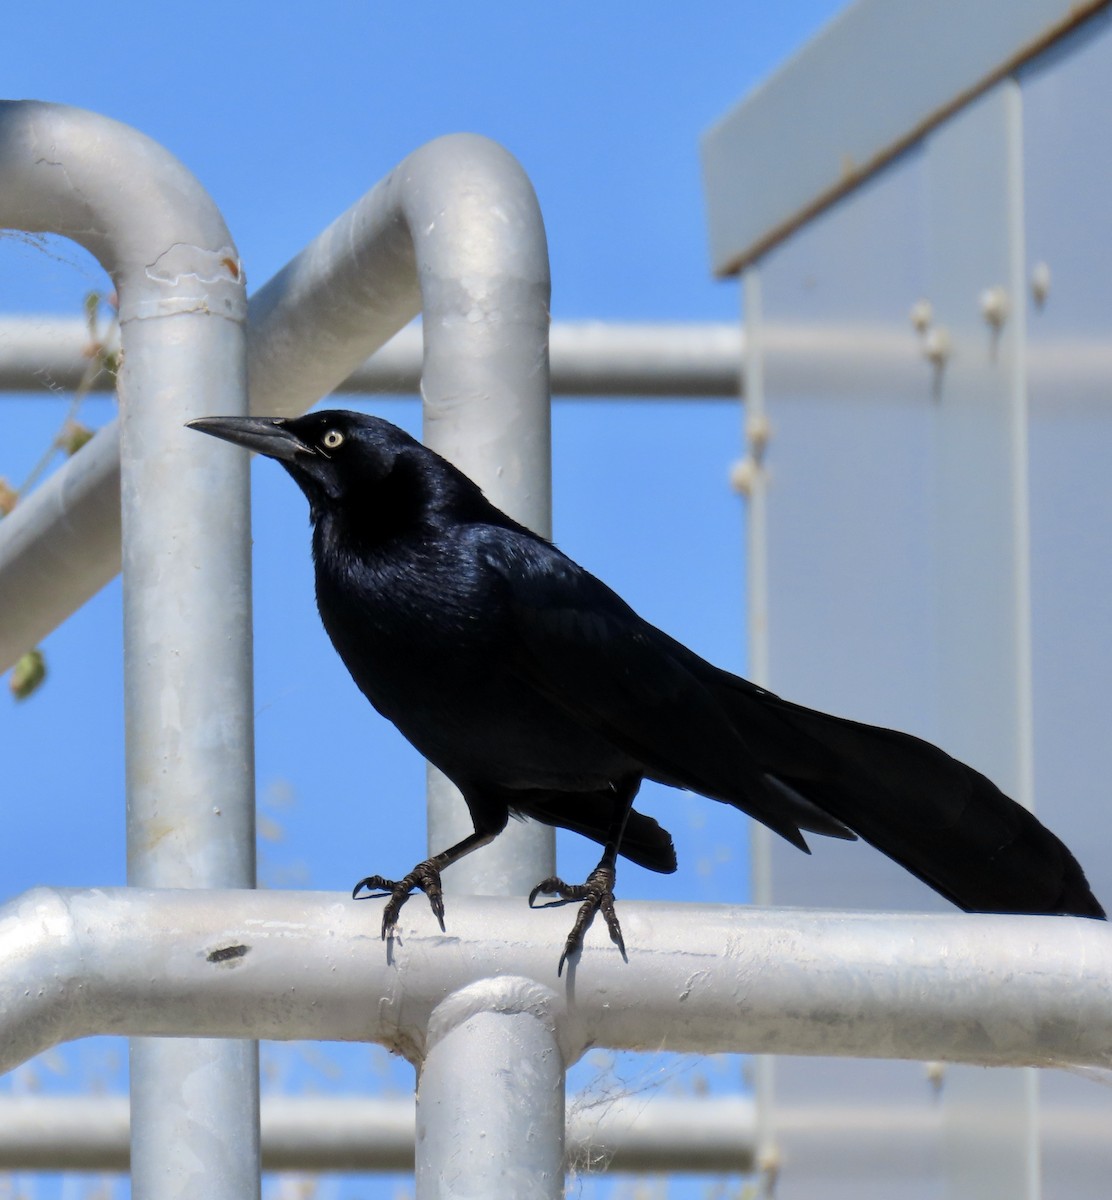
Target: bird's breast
{"x": 437, "y": 658}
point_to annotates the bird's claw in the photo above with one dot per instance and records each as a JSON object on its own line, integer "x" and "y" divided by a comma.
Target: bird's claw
{"x": 423, "y": 876}
{"x": 597, "y": 895}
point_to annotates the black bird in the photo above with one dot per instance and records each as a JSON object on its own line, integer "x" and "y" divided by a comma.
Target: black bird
{"x": 538, "y": 691}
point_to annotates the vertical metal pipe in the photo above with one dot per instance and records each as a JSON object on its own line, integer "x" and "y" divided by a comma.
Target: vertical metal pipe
{"x": 755, "y": 493}
{"x": 485, "y": 386}
{"x": 187, "y": 678}
{"x": 188, "y": 712}
{"x": 491, "y": 1091}
{"x": 756, "y": 530}
{"x": 187, "y": 632}
{"x": 490, "y": 1098}
{"x": 490, "y": 1110}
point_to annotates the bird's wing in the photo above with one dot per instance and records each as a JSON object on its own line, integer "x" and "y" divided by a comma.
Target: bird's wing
{"x": 584, "y": 648}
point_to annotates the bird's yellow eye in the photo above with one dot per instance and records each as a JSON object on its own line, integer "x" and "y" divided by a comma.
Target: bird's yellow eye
{"x": 332, "y": 439}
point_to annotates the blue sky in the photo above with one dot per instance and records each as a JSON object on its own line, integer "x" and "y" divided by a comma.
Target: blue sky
{"x": 287, "y": 115}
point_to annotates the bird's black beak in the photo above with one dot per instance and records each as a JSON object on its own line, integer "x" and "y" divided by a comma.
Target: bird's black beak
{"x": 266, "y": 435}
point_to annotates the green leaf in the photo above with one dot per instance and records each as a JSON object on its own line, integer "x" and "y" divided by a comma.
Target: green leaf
{"x": 27, "y": 674}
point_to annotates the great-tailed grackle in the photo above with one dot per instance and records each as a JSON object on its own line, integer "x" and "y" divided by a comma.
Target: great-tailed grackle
{"x": 538, "y": 691}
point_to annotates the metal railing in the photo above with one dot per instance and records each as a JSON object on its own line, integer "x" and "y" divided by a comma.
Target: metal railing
{"x": 363, "y": 1133}
{"x": 454, "y": 231}
{"x": 588, "y": 358}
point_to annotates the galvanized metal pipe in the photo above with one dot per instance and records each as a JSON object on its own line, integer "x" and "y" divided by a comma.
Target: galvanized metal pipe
{"x": 638, "y": 1132}
{"x": 995, "y": 990}
{"x": 483, "y": 265}
{"x": 459, "y": 220}
{"x": 46, "y": 354}
{"x": 490, "y": 1106}
{"x": 187, "y": 657}
{"x": 372, "y": 1133}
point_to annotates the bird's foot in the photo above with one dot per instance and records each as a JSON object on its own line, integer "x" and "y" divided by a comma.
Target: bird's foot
{"x": 424, "y": 876}
{"x": 597, "y": 895}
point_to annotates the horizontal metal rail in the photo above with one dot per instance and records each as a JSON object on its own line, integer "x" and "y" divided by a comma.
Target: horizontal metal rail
{"x": 50, "y": 355}
{"x": 359, "y": 1133}
{"x": 994, "y": 990}
{"x": 623, "y": 1132}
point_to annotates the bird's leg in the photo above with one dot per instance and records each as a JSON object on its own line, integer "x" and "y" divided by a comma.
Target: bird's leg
{"x": 425, "y": 875}
{"x": 597, "y": 893}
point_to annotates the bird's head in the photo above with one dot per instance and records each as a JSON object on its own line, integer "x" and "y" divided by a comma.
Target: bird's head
{"x": 331, "y": 454}
{"x": 360, "y": 469}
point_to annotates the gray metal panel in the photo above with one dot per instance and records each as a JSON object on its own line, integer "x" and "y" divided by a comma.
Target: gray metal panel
{"x": 932, "y": 551}
{"x": 975, "y": 250}
{"x": 879, "y": 76}
{"x": 841, "y": 618}
{"x": 899, "y": 577}
{"x": 1068, "y": 200}
{"x": 850, "y": 619}
{"x": 1069, "y": 230}
{"x": 974, "y": 213}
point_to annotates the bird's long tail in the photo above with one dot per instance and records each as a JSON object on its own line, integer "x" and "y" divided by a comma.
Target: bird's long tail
{"x": 940, "y": 819}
